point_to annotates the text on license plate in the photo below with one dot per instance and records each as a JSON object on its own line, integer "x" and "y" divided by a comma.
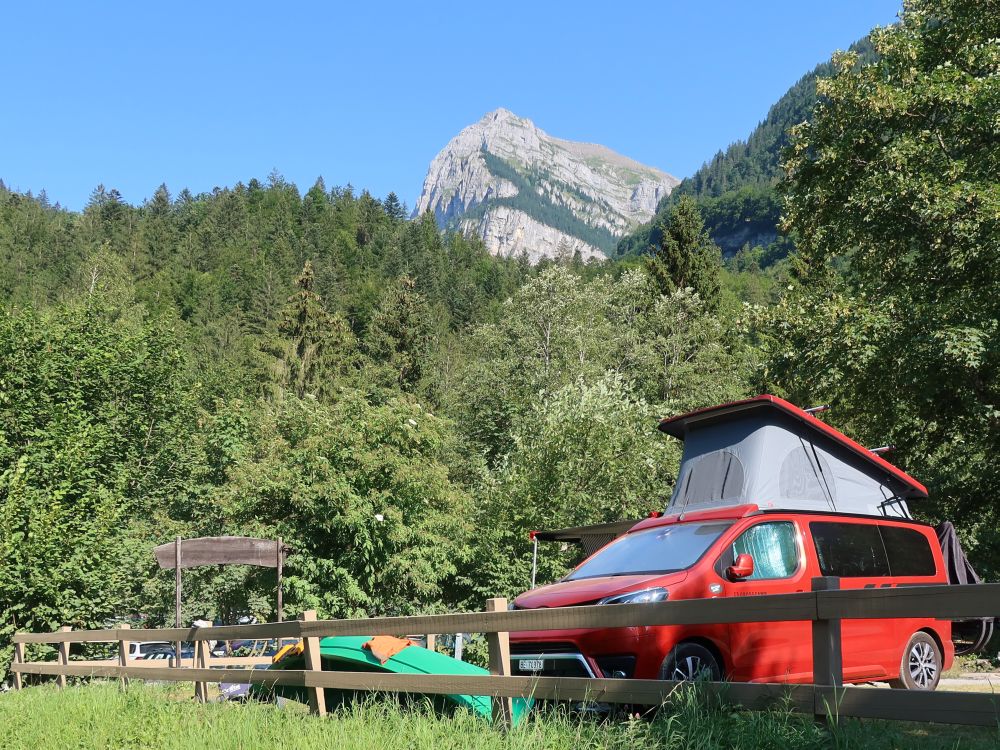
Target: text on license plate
{"x": 531, "y": 665}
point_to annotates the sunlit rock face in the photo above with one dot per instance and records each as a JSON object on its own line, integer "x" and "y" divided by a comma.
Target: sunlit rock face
{"x": 523, "y": 191}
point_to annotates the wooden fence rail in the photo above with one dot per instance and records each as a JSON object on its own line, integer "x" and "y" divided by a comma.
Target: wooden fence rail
{"x": 825, "y": 606}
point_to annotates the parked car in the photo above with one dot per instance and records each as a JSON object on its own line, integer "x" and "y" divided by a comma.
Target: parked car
{"x": 745, "y": 552}
{"x": 832, "y": 509}
{"x": 141, "y": 649}
{"x": 165, "y": 651}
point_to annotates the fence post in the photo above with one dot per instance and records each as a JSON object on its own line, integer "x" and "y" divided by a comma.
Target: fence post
{"x": 828, "y": 664}
{"x": 18, "y": 659}
{"x": 499, "y": 644}
{"x": 430, "y": 641}
{"x": 201, "y": 656}
{"x": 63, "y": 656}
{"x": 123, "y": 654}
{"x": 317, "y": 698}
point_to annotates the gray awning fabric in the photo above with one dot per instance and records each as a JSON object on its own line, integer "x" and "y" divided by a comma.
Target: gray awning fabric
{"x": 591, "y": 538}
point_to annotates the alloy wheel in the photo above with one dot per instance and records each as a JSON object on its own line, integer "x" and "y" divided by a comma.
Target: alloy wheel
{"x": 689, "y": 668}
{"x": 922, "y": 664}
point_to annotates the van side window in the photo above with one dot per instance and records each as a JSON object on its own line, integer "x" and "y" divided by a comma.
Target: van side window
{"x": 909, "y": 552}
{"x": 774, "y": 549}
{"x": 849, "y": 550}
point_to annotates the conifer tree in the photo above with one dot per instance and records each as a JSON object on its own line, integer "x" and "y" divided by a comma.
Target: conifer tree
{"x": 686, "y": 257}
{"x": 317, "y": 349}
{"x": 158, "y": 230}
{"x": 394, "y": 208}
{"x": 399, "y": 335}
{"x": 315, "y": 201}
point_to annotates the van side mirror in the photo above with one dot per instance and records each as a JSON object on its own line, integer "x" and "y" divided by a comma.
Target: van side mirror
{"x": 742, "y": 568}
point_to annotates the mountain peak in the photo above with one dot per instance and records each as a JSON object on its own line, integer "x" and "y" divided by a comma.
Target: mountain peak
{"x": 522, "y": 190}
{"x": 502, "y": 113}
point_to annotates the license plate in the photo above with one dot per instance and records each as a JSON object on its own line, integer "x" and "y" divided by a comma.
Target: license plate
{"x": 531, "y": 665}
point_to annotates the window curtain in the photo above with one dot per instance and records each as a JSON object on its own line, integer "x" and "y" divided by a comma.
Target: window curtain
{"x": 773, "y": 548}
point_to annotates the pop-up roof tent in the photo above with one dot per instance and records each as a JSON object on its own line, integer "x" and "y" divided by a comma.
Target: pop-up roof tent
{"x": 771, "y": 453}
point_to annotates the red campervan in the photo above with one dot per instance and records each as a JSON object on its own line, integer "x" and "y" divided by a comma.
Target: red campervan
{"x": 768, "y": 497}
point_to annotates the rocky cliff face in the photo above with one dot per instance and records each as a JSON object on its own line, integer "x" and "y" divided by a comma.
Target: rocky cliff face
{"x": 524, "y": 191}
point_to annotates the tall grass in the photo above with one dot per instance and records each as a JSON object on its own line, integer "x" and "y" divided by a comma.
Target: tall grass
{"x": 101, "y": 716}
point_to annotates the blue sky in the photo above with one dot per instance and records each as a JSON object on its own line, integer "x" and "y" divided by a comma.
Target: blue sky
{"x": 207, "y": 94}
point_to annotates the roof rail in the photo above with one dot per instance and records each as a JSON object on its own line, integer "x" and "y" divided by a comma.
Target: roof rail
{"x": 817, "y": 409}
{"x": 882, "y": 449}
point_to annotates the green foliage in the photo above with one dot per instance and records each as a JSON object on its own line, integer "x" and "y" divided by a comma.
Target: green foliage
{"x": 551, "y": 332}
{"x": 585, "y": 455}
{"x": 314, "y": 349}
{"x": 227, "y": 261}
{"x": 559, "y": 329}
{"x": 363, "y": 495}
{"x": 131, "y": 408}
{"x": 893, "y": 194}
{"x": 262, "y": 362}
{"x": 756, "y": 162}
{"x": 95, "y": 416}
{"x": 750, "y": 212}
{"x": 685, "y": 256}
{"x": 736, "y": 190}
{"x": 561, "y": 400}
{"x": 399, "y": 335}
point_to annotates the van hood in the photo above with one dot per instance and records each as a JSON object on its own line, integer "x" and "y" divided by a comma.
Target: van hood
{"x": 589, "y": 590}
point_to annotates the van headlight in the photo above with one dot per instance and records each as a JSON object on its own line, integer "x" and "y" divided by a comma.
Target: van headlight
{"x": 642, "y": 596}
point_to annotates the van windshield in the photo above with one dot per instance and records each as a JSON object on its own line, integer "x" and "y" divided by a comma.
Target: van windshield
{"x": 662, "y": 549}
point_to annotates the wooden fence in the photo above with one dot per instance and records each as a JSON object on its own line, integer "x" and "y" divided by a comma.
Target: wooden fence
{"x": 825, "y": 607}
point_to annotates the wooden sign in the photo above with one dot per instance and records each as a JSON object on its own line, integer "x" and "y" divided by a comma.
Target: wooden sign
{"x": 220, "y": 550}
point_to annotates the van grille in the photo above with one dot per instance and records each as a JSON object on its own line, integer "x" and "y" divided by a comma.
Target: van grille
{"x": 537, "y": 647}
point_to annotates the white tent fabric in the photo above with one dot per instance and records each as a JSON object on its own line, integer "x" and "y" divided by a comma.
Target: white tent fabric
{"x": 767, "y": 458}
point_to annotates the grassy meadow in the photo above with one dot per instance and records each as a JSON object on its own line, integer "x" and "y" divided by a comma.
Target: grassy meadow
{"x": 99, "y": 715}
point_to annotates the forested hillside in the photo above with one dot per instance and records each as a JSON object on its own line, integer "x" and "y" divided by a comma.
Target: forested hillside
{"x": 397, "y": 404}
{"x": 736, "y": 190}
{"x": 402, "y": 408}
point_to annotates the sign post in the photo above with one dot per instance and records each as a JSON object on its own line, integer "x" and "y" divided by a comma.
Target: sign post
{"x": 177, "y": 598}
{"x": 278, "y": 564}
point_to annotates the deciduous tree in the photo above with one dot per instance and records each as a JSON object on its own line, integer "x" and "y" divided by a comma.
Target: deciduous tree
{"x": 893, "y": 181}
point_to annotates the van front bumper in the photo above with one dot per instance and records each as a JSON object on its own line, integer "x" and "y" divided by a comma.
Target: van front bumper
{"x": 609, "y": 652}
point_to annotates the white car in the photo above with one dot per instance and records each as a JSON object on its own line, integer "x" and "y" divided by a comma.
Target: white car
{"x": 141, "y": 649}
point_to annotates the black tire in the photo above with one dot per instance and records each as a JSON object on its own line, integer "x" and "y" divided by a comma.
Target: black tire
{"x": 690, "y": 661}
{"x": 920, "y": 667}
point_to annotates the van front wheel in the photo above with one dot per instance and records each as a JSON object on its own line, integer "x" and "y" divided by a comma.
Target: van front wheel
{"x": 920, "y": 668}
{"x": 690, "y": 661}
